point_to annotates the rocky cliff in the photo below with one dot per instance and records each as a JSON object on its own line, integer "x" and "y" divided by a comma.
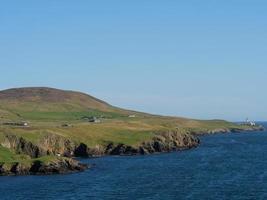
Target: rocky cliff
{"x": 54, "y": 145}
{"x": 162, "y": 142}
{"x": 57, "y": 166}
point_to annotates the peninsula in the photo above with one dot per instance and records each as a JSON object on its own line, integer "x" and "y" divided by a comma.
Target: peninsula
{"x": 43, "y": 129}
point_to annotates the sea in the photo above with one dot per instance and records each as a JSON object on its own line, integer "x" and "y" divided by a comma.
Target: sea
{"x": 225, "y": 166}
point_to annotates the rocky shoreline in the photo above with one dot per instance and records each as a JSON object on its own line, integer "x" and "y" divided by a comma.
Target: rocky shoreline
{"x": 64, "y": 150}
{"x": 57, "y": 166}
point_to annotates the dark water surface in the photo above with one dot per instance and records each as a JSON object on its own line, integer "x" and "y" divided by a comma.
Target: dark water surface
{"x": 225, "y": 166}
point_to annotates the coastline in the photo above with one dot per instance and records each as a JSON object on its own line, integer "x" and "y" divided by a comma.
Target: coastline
{"x": 164, "y": 142}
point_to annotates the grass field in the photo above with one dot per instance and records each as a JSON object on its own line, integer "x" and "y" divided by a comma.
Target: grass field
{"x": 116, "y": 129}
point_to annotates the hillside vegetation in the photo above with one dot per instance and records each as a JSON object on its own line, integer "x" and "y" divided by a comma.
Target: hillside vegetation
{"x": 68, "y": 115}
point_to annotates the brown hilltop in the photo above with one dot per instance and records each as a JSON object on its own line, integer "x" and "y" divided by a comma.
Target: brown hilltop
{"x": 45, "y": 96}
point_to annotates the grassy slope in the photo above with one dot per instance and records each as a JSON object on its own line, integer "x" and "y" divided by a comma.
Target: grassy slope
{"x": 47, "y": 109}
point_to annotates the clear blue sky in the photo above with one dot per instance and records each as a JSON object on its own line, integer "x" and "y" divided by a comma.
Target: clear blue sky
{"x": 201, "y": 59}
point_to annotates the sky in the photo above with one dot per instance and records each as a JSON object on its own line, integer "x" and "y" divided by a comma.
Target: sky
{"x": 198, "y": 59}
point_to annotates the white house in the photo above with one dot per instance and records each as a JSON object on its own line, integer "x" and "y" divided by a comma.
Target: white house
{"x": 251, "y": 123}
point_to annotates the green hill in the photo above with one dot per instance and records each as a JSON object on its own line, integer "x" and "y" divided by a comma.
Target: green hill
{"x": 42, "y": 103}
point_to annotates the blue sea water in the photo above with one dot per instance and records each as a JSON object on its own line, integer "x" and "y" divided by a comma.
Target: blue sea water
{"x": 224, "y": 166}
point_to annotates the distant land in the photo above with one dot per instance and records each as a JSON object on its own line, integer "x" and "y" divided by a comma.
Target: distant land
{"x": 43, "y": 129}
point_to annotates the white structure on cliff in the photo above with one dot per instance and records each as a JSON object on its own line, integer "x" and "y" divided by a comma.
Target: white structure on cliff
{"x": 250, "y": 123}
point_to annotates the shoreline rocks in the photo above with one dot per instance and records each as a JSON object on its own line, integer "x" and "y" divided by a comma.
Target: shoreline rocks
{"x": 58, "y": 166}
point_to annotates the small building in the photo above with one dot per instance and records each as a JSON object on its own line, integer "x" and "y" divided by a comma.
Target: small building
{"x": 132, "y": 116}
{"x": 24, "y": 124}
{"x": 66, "y": 125}
{"x": 94, "y": 120}
{"x": 250, "y": 123}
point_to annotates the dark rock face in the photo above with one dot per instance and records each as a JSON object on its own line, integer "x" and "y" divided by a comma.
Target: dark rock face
{"x": 81, "y": 150}
{"x": 122, "y": 149}
{"x": 58, "y": 166}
